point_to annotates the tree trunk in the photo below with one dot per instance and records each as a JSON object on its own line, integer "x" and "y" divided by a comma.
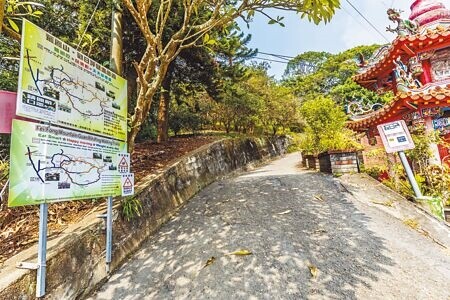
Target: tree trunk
{"x": 163, "y": 110}
{"x": 2, "y": 13}
{"x": 146, "y": 93}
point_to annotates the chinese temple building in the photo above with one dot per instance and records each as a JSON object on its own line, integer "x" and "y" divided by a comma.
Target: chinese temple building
{"x": 416, "y": 68}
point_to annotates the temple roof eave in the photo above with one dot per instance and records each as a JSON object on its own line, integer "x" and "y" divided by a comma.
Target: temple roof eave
{"x": 435, "y": 38}
{"x": 403, "y": 103}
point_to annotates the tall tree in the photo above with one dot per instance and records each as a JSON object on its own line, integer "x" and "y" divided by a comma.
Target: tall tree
{"x": 154, "y": 63}
{"x": 333, "y": 77}
{"x": 193, "y": 72}
{"x": 233, "y": 47}
{"x": 306, "y": 63}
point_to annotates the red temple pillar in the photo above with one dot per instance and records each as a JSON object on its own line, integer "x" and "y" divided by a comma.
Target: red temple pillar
{"x": 426, "y": 75}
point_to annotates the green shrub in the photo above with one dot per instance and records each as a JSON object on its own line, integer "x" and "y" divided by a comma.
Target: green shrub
{"x": 131, "y": 208}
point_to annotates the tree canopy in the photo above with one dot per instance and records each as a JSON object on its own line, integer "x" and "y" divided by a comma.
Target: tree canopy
{"x": 332, "y": 77}
{"x": 197, "y": 19}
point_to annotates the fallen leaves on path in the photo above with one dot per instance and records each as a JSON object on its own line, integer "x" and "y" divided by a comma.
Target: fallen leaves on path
{"x": 209, "y": 262}
{"x": 314, "y": 271}
{"x": 388, "y": 203}
{"x": 319, "y": 197}
{"x": 241, "y": 252}
{"x": 412, "y": 223}
{"x": 428, "y": 235}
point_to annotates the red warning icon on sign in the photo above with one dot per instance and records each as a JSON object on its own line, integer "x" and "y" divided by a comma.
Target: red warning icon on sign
{"x": 127, "y": 183}
{"x": 124, "y": 163}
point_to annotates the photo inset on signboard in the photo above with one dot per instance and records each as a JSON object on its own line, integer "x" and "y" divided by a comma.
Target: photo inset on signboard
{"x": 51, "y": 92}
{"x": 51, "y": 176}
{"x": 99, "y": 86}
{"x": 96, "y": 155}
{"x": 115, "y": 105}
{"x": 111, "y": 94}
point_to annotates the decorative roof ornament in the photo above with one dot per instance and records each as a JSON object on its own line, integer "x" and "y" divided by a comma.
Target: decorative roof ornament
{"x": 426, "y": 12}
{"x": 404, "y": 27}
{"x": 408, "y": 77}
{"x": 360, "y": 107}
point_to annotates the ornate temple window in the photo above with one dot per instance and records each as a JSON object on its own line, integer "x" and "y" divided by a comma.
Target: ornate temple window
{"x": 440, "y": 65}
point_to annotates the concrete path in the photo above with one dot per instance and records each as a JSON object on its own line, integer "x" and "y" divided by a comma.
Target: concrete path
{"x": 310, "y": 239}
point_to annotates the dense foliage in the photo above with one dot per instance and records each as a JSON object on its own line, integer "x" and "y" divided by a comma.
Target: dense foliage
{"x": 325, "y": 127}
{"x": 331, "y": 75}
{"x": 323, "y": 83}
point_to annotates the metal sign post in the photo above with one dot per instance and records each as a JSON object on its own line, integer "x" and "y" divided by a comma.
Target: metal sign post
{"x": 42, "y": 250}
{"x": 109, "y": 230}
{"x": 396, "y": 138}
{"x": 410, "y": 174}
{"x": 41, "y": 264}
{"x": 109, "y": 233}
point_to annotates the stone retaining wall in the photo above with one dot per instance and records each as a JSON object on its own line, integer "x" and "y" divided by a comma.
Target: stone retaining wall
{"x": 339, "y": 162}
{"x": 75, "y": 261}
{"x": 344, "y": 162}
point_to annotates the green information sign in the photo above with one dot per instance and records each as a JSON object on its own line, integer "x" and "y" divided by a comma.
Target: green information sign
{"x": 51, "y": 164}
{"x": 60, "y": 85}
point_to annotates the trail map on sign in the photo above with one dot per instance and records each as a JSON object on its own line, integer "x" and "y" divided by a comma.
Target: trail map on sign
{"x": 63, "y": 86}
{"x": 52, "y": 164}
{"x": 67, "y": 169}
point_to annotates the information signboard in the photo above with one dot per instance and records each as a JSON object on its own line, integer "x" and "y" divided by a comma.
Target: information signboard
{"x": 395, "y": 136}
{"x": 127, "y": 184}
{"x": 60, "y": 85}
{"x": 51, "y": 164}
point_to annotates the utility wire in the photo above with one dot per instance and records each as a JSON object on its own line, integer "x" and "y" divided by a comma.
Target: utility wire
{"x": 89, "y": 23}
{"x": 272, "y": 60}
{"x": 370, "y": 23}
{"x": 356, "y": 20}
{"x": 277, "y": 55}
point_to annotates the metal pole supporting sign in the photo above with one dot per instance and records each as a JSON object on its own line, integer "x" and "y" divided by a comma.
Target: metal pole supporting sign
{"x": 109, "y": 233}
{"x": 109, "y": 230}
{"x": 42, "y": 250}
{"x": 410, "y": 174}
{"x": 396, "y": 138}
{"x": 41, "y": 264}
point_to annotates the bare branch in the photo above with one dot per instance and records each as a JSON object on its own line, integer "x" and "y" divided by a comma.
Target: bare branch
{"x": 11, "y": 33}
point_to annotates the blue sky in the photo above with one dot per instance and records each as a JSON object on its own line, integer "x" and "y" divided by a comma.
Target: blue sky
{"x": 346, "y": 30}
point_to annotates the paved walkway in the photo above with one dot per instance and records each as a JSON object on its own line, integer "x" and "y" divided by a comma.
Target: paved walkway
{"x": 296, "y": 224}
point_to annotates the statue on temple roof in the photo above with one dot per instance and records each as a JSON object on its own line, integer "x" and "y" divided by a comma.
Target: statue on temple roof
{"x": 404, "y": 27}
{"x": 407, "y": 78}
